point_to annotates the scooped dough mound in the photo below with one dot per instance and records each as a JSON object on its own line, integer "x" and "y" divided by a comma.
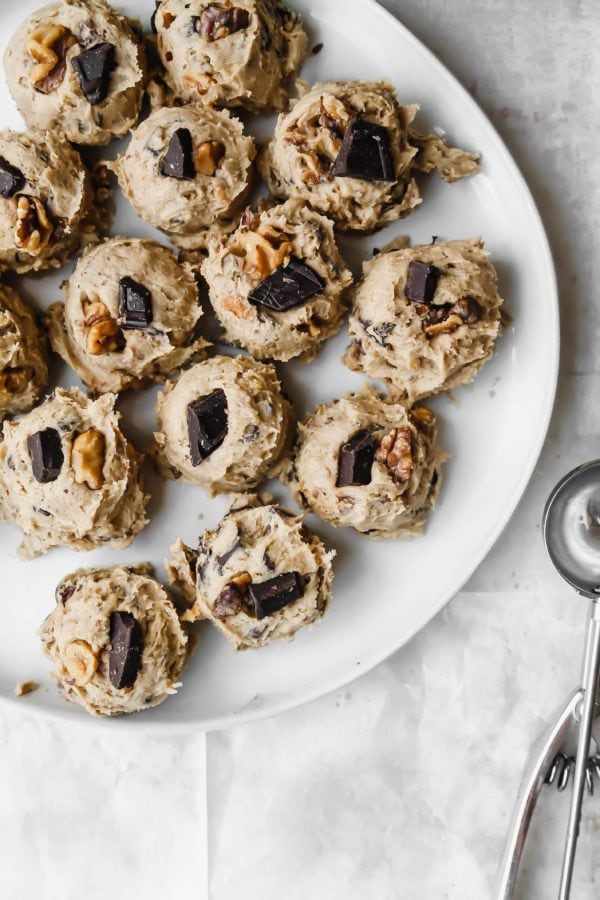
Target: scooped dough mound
{"x": 187, "y": 168}
{"x": 424, "y": 346}
{"x": 77, "y": 67}
{"x": 278, "y": 284}
{"x": 115, "y": 640}
{"x": 244, "y": 53}
{"x": 130, "y": 315}
{"x": 368, "y": 464}
{"x": 259, "y": 576}
{"x": 69, "y": 477}
{"x": 23, "y": 358}
{"x": 347, "y": 149}
{"x": 46, "y": 201}
{"x": 237, "y": 406}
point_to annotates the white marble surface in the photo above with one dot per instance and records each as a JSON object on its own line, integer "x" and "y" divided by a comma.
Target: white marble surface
{"x": 400, "y": 786}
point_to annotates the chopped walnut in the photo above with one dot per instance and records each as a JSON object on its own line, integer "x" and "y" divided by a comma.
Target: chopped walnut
{"x": 201, "y": 83}
{"x": 216, "y": 23}
{"x": 47, "y": 46}
{"x": 265, "y": 250}
{"x": 33, "y": 229}
{"x": 208, "y": 157}
{"x": 168, "y": 19}
{"x": 242, "y": 580}
{"x": 237, "y": 306}
{"x": 104, "y": 334}
{"x": 25, "y": 687}
{"x": 80, "y": 662}
{"x": 468, "y": 309}
{"x": 88, "y": 453}
{"x": 395, "y": 451}
{"x": 423, "y": 416}
{"x": 229, "y": 602}
{"x": 447, "y": 324}
{"x": 15, "y": 380}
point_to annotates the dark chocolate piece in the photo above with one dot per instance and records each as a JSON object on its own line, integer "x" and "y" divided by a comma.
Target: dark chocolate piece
{"x": 178, "y": 161}
{"x": 468, "y": 309}
{"x": 11, "y": 179}
{"x": 135, "y": 304}
{"x": 270, "y": 596}
{"x": 365, "y": 153}
{"x": 207, "y": 425}
{"x": 287, "y": 287}
{"x": 355, "y": 459}
{"x": 421, "y": 282}
{"x": 214, "y": 18}
{"x": 93, "y": 69}
{"x": 229, "y": 602}
{"x": 47, "y": 456}
{"x": 126, "y": 648}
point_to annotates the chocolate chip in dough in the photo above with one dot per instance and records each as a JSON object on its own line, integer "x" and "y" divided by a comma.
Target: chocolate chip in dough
{"x": 126, "y": 648}
{"x": 93, "y": 68}
{"x": 207, "y": 425}
{"x": 288, "y": 287}
{"x": 421, "y": 282}
{"x": 270, "y": 596}
{"x": 135, "y": 304}
{"x": 355, "y": 459}
{"x": 365, "y": 153}
{"x": 46, "y": 453}
{"x": 12, "y": 179}
{"x": 178, "y": 161}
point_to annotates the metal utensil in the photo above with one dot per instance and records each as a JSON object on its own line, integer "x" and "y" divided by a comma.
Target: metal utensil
{"x": 571, "y": 529}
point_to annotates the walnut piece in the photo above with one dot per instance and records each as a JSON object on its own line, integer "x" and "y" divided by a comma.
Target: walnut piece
{"x": 448, "y": 324}
{"x": 47, "y": 45}
{"x": 216, "y": 23}
{"x": 33, "y": 229}
{"x": 242, "y": 580}
{"x": 237, "y": 306}
{"x": 264, "y": 250}
{"x": 87, "y": 458}
{"x": 423, "y": 416}
{"x": 80, "y": 662}
{"x": 395, "y": 452}
{"x": 15, "y": 380}
{"x": 208, "y": 157}
{"x": 25, "y": 687}
{"x": 104, "y": 334}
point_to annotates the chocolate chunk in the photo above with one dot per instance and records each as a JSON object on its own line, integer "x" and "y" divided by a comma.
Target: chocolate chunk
{"x": 126, "y": 648}
{"x": 135, "y": 304}
{"x": 270, "y": 596}
{"x": 467, "y": 309}
{"x": 229, "y": 602}
{"x": 365, "y": 153}
{"x": 207, "y": 425}
{"x": 216, "y": 22}
{"x": 93, "y": 69}
{"x": 421, "y": 282}
{"x": 11, "y": 179}
{"x": 46, "y": 453}
{"x": 178, "y": 161}
{"x": 355, "y": 459}
{"x": 287, "y": 287}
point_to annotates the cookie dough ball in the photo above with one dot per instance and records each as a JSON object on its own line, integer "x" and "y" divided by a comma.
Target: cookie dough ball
{"x": 77, "y": 67}
{"x": 240, "y": 53}
{"x": 425, "y": 319}
{"x": 115, "y": 640}
{"x": 23, "y": 358}
{"x": 187, "y": 169}
{"x": 278, "y": 284}
{"x": 130, "y": 315}
{"x": 68, "y": 476}
{"x": 46, "y": 201}
{"x": 367, "y": 464}
{"x": 259, "y": 576}
{"x": 224, "y": 424}
{"x": 346, "y": 148}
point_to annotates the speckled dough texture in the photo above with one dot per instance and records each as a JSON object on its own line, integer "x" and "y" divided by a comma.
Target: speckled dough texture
{"x": 23, "y": 356}
{"x": 237, "y": 264}
{"x": 66, "y": 511}
{"x": 386, "y": 507}
{"x": 259, "y": 424}
{"x": 296, "y": 162}
{"x": 253, "y": 66}
{"x": 392, "y": 339}
{"x": 57, "y": 186}
{"x": 259, "y": 541}
{"x": 180, "y": 205}
{"x": 65, "y": 108}
{"x": 141, "y": 354}
{"x": 76, "y": 637}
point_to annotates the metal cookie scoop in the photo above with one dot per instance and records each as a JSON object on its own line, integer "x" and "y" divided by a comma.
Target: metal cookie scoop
{"x": 571, "y": 528}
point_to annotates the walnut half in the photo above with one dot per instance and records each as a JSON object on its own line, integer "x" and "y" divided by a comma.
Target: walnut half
{"x": 208, "y": 157}
{"x": 104, "y": 334}
{"x": 264, "y": 250}
{"x": 47, "y": 45}
{"x": 395, "y": 452}
{"x": 34, "y": 228}
{"x": 80, "y": 661}
{"x": 87, "y": 458}
{"x": 15, "y": 379}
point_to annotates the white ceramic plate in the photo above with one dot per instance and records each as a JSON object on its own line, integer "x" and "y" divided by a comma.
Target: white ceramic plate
{"x": 384, "y": 591}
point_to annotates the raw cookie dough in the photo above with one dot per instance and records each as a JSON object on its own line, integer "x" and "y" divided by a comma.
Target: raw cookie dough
{"x": 421, "y": 348}
{"x": 244, "y": 53}
{"x": 45, "y": 71}
{"x": 115, "y": 640}
{"x": 187, "y": 169}
{"x": 248, "y": 437}
{"x": 46, "y": 201}
{"x": 110, "y": 347}
{"x": 80, "y": 489}
{"x": 23, "y": 358}
{"x": 263, "y": 247}
{"x": 355, "y": 127}
{"x": 396, "y": 457}
{"x": 228, "y": 576}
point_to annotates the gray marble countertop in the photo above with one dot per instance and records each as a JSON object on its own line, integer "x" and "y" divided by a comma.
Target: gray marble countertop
{"x": 401, "y": 785}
